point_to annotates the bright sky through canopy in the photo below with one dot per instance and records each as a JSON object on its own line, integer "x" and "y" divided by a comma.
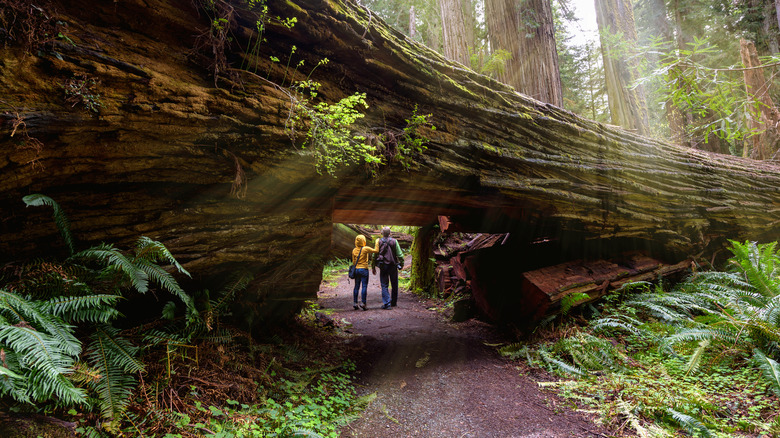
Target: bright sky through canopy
{"x": 586, "y": 29}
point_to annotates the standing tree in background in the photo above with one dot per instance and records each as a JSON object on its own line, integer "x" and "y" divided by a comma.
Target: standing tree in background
{"x": 456, "y": 37}
{"x": 761, "y": 23}
{"x": 419, "y": 19}
{"x": 524, "y": 28}
{"x": 657, "y": 21}
{"x": 579, "y": 62}
{"x": 763, "y": 117}
{"x": 627, "y": 104}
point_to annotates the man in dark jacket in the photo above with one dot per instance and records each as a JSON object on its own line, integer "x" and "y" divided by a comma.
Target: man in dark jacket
{"x": 390, "y": 259}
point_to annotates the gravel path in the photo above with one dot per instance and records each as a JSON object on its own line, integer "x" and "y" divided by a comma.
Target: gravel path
{"x": 435, "y": 378}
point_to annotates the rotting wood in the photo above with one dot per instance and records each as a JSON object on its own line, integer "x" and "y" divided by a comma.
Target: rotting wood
{"x": 550, "y": 285}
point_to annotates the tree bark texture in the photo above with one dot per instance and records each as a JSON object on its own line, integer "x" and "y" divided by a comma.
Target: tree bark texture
{"x": 525, "y": 29}
{"x": 456, "y": 44}
{"x": 763, "y": 116}
{"x": 627, "y": 103}
{"x": 212, "y": 172}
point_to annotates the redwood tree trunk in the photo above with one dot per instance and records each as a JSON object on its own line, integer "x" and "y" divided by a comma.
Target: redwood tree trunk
{"x": 456, "y": 43}
{"x": 627, "y": 104}
{"x": 526, "y": 30}
{"x": 763, "y": 116}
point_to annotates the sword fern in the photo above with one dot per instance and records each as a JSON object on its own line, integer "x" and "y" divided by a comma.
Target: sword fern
{"x": 40, "y": 312}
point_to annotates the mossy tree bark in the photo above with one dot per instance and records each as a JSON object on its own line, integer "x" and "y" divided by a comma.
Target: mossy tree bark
{"x": 212, "y": 172}
{"x": 423, "y": 262}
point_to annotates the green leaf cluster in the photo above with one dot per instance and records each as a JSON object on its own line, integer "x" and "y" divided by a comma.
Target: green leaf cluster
{"x": 413, "y": 142}
{"x": 330, "y": 137}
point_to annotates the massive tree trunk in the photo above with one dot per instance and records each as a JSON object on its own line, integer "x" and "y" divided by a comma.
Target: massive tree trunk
{"x": 166, "y": 148}
{"x": 763, "y": 116}
{"x": 456, "y": 43}
{"x": 627, "y": 103}
{"x": 526, "y": 30}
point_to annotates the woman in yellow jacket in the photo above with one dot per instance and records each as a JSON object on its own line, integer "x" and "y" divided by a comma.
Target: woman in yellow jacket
{"x": 361, "y": 254}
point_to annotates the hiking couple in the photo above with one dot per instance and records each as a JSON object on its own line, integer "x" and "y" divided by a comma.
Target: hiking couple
{"x": 390, "y": 261}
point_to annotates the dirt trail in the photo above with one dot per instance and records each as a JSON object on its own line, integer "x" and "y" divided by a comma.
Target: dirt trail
{"x": 436, "y": 379}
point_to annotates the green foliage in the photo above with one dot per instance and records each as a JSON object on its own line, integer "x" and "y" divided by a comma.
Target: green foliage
{"x": 413, "y": 140}
{"x": 37, "y": 200}
{"x": 113, "y": 358}
{"x": 689, "y": 423}
{"x": 329, "y": 136}
{"x": 262, "y": 21}
{"x": 493, "y": 65}
{"x": 81, "y": 90}
{"x": 202, "y": 315}
{"x": 39, "y": 352}
{"x": 334, "y": 269}
{"x": 691, "y": 80}
{"x": 313, "y": 403}
{"x": 572, "y": 300}
{"x": 680, "y": 359}
{"x": 41, "y": 311}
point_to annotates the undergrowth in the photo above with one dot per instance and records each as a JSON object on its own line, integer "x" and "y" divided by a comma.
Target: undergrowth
{"x": 698, "y": 360}
{"x": 286, "y": 385}
{"x": 333, "y": 270}
{"x": 108, "y": 339}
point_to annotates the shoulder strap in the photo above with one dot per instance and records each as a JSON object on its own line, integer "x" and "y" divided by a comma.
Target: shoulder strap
{"x": 358, "y": 257}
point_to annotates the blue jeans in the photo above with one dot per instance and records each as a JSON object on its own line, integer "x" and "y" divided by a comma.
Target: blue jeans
{"x": 361, "y": 276}
{"x": 388, "y": 276}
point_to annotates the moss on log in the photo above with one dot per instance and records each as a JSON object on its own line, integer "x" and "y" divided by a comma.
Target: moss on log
{"x": 206, "y": 165}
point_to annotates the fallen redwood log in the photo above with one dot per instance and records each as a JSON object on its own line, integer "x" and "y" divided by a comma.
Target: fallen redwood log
{"x": 201, "y": 157}
{"x": 539, "y": 293}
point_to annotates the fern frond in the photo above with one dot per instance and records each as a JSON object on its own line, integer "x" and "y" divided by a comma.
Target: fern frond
{"x": 20, "y": 311}
{"x": 43, "y": 364}
{"x": 157, "y": 337}
{"x": 692, "y": 425}
{"x": 6, "y": 372}
{"x": 701, "y": 334}
{"x": 556, "y": 364}
{"x": 89, "y": 308}
{"x": 758, "y": 263}
{"x": 37, "y": 200}
{"x": 618, "y": 322}
{"x": 114, "y": 358}
{"x": 114, "y": 259}
{"x": 162, "y": 278}
{"x": 589, "y": 352}
{"x": 154, "y": 251}
{"x": 84, "y": 374}
{"x": 695, "y": 359}
{"x": 304, "y": 432}
{"x": 514, "y": 351}
{"x": 770, "y": 369}
{"x": 573, "y": 300}
{"x": 628, "y": 411}
{"x": 237, "y": 284}
{"x": 218, "y": 336}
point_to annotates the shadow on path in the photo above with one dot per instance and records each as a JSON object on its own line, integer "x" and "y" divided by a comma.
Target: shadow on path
{"x": 439, "y": 379}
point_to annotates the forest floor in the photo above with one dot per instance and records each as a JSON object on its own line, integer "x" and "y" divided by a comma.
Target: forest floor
{"x": 434, "y": 378}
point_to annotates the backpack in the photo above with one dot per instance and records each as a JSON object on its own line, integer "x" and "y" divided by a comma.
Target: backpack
{"x": 386, "y": 253}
